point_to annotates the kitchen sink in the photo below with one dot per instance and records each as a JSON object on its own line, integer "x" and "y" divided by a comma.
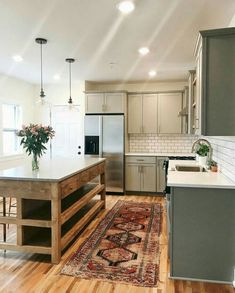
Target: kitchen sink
{"x": 184, "y": 168}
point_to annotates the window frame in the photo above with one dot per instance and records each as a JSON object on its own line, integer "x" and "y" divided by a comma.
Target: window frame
{"x": 17, "y": 125}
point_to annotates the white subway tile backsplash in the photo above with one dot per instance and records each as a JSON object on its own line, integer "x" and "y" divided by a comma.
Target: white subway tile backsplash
{"x": 153, "y": 143}
{"x": 223, "y": 147}
{"x": 224, "y": 154}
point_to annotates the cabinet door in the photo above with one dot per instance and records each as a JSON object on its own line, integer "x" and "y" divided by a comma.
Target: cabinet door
{"x": 135, "y": 114}
{"x": 198, "y": 92}
{"x": 133, "y": 177}
{"x": 149, "y": 113}
{"x": 148, "y": 177}
{"x": 114, "y": 103}
{"x": 169, "y": 105}
{"x": 161, "y": 180}
{"x": 94, "y": 103}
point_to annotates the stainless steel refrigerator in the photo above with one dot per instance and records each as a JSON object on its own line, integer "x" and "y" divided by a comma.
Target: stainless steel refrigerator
{"x": 104, "y": 137}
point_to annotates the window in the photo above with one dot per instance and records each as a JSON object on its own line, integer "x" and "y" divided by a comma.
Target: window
{"x": 11, "y": 122}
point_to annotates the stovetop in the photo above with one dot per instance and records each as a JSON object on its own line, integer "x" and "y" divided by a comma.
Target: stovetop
{"x": 182, "y": 158}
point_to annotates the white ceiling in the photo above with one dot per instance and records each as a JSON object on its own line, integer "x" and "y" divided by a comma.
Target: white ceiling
{"x": 95, "y": 33}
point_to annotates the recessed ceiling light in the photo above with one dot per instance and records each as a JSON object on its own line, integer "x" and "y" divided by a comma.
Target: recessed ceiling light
{"x": 17, "y": 58}
{"x": 143, "y": 51}
{"x": 152, "y": 73}
{"x": 126, "y": 6}
{"x": 56, "y": 77}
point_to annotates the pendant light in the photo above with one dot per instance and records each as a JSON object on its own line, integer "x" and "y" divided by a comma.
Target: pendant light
{"x": 42, "y": 95}
{"x": 70, "y": 61}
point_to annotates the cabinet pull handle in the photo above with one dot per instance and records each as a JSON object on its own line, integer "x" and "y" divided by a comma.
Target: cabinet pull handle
{"x": 197, "y": 123}
{"x": 140, "y": 160}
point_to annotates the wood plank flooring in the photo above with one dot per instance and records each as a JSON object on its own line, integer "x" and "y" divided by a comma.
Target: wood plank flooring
{"x": 34, "y": 273}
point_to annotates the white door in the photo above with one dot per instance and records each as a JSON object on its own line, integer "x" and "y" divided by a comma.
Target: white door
{"x": 69, "y": 136}
{"x": 169, "y": 106}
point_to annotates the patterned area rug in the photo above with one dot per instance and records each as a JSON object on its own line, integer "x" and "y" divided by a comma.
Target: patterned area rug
{"x": 123, "y": 248}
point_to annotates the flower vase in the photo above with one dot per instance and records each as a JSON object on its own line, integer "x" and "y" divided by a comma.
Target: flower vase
{"x": 35, "y": 162}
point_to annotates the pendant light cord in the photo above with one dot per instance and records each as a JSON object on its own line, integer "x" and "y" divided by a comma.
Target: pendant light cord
{"x": 70, "y": 78}
{"x": 41, "y": 70}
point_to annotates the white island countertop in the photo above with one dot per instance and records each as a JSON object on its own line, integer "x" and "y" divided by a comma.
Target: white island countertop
{"x": 50, "y": 170}
{"x": 161, "y": 154}
{"x": 196, "y": 179}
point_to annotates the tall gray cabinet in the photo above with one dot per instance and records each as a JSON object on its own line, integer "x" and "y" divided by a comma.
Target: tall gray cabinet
{"x": 215, "y": 86}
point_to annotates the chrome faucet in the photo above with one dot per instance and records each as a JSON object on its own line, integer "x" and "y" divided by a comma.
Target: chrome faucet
{"x": 205, "y": 141}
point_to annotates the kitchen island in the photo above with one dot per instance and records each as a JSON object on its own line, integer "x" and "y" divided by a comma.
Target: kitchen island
{"x": 53, "y": 204}
{"x": 201, "y": 221}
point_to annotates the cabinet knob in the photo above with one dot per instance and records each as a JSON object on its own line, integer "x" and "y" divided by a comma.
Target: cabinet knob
{"x": 79, "y": 153}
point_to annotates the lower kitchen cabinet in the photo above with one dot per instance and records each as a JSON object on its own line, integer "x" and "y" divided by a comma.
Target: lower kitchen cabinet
{"x": 161, "y": 175}
{"x": 133, "y": 177}
{"x": 202, "y": 238}
{"x": 141, "y": 174}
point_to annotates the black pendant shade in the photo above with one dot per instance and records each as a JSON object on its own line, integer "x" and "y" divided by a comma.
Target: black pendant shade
{"x": 41, "y": 41}
{"x": 70, "y": 60}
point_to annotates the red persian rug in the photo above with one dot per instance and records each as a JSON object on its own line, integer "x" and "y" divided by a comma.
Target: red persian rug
{"x": 123, "y": 248}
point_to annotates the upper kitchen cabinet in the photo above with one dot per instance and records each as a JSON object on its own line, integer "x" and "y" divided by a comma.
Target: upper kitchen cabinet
{"x": 215, "y": 86}
{"x": 184, "y": 113}
{"x": 169, "y": 107}
{"x": 106, "y": 102}
{"x": 192, "y": 110}
{"x": 142, "y": 113}
{"x": 134, "y": 113}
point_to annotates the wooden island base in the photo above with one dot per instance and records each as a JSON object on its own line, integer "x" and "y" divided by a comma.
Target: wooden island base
{"x": 50, "y": 214}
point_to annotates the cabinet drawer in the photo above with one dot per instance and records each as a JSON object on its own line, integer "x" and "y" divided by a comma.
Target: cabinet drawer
{"x": 94, "y": 172}
{"x": 139, "y": 160}
{"x": 68, "y": 186}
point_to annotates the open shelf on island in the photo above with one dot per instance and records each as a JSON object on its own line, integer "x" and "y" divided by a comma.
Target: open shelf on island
{"x": 76, "y": 223}
{"x": 36, "y": 236}
{"x": 36, "y": 209}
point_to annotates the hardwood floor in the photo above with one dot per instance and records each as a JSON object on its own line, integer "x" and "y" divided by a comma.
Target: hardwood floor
{"x": 34, "y": 273}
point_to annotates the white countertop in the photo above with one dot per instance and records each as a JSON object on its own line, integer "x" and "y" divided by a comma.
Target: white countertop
{"x": 49, "y": 170}
{"x": 196, "y": 179}
{"x": 161, "y": 154}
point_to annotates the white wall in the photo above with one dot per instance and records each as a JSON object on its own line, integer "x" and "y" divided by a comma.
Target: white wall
{"x": 16, "y": 91}
{"x": 138, "y": 86}
{"x": 19, "y": 92}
